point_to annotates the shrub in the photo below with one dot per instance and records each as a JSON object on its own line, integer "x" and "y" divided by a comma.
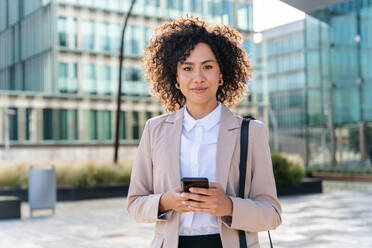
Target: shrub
{"x": 85, "y": 175}
{"x": 14, "y": 177}
{"x": 286, "y": 173}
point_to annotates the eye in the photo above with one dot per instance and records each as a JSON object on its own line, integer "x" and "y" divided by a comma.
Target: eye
{"x": 208, "y": 67}
{"x": 187, "y": 68}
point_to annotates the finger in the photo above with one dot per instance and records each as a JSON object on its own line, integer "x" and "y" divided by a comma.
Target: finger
{"x": 215, "y": 185}
{"x": 203, "y": 191}
{"x": 202, "y": 210}
{"x": 178, "y": 189}
{"x": 202, "y": 205}
{"x": 200, "y": 198}
{"x": 183, "y": 196}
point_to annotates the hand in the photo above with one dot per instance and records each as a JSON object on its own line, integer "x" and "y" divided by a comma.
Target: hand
{"x": 175, "y": 199}
{"x": 212, "y": 201}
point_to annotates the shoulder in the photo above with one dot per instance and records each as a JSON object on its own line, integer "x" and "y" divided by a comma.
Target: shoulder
{"x": 253, "y": 122}
{"x": 255, "y": 126}
{"x": 156, "y": 122}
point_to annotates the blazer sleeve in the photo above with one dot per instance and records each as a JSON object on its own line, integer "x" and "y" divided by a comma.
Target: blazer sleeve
{"x": 143, "y": 204}
{"x": 261, "y": 211}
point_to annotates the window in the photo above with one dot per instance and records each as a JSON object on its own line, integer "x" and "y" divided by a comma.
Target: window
{"x": 63, "y": 122}
{"x": 227, "y": 17}
{"x": 122, "y": 126}
{"x": 115, "y": 37}
{"x": 93, "y": 121}
{"x": 67, "y": 32}
{"x": 89, "y": 79}
{"x": 67, "y": 82}
{"x": 244, "y": 17}
{"x": 104, "y": 80}
{"x": 62, "y": 31}
{"x": 103, "y": 37}
{"x": 196, "y": 6}
{"x": 13, "y": 123}
{"x": 107, "y": 135}
{"x": 135, "y": 125}
{"x": 88, "y": 37}
{"x": 28, "y": 123}
{"x": 48, "y": 124}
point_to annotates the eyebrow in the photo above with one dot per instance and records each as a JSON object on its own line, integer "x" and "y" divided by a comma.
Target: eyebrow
{"x": 205, "y": 61}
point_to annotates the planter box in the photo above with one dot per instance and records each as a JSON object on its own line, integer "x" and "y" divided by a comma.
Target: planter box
{"x": 10, "y": 207}
{"x": 73, "y": 194}
{"x": 342, "y": 176}
{"x": 308, "y": 186}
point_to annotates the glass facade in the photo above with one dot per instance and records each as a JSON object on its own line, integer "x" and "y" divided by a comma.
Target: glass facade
{"x": 59, "y": 124}
{"x": 339, "y": 49}
{"x": 62, "y": 57}
{"x": 68, "y": 78}
{"x": 281, "y": 62}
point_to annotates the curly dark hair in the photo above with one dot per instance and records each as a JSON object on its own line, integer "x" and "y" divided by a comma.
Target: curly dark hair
{"x": 173, "y": 43}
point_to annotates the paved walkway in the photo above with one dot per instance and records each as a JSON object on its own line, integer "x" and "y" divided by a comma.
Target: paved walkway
{"x": 340, "y": 217}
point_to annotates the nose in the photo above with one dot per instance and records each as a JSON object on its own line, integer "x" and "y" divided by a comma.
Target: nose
{"x": 198, "y": 76}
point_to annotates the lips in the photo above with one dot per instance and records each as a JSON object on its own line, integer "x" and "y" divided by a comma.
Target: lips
{"x": 199, "y": 90}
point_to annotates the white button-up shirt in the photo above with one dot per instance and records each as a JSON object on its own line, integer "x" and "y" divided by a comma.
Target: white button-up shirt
{"x": 198, "y": 159}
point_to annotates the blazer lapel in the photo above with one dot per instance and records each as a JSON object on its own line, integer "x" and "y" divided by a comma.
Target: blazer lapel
{"x": 173, "y": 139}
{"x": 226, "y": 142}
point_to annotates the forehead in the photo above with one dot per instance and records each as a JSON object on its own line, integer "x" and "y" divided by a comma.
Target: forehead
{"x": 201, "y": 52}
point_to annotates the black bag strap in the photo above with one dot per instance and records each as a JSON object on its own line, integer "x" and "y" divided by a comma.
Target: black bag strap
{"x": 244, "y": 140}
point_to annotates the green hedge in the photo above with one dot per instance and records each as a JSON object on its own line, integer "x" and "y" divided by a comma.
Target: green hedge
{"x": 286, "y": 173}
{"x": 86, "y": 175}
{"x": 92, "y": 174}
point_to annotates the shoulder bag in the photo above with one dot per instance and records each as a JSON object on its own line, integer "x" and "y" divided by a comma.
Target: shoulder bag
{"x": 244, "y": 137}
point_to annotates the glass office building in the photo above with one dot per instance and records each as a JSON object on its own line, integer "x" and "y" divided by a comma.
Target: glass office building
{"x": 339, "y": 58}
{"x": 59, "y": 66}
{"x": 280, "y": 85}
{"x": 338, "y": 80}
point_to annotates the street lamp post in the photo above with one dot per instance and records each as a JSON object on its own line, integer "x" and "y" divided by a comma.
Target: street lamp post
{"x": 121, "y": 60}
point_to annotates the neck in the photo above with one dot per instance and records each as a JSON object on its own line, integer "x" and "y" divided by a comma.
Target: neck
{"x": 198, "y": 111}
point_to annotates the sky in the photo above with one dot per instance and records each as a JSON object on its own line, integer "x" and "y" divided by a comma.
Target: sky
{"x": 272, "y": 13}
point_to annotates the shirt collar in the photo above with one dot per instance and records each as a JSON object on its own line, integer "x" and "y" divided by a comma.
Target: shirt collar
{"x": 207, "y": 122}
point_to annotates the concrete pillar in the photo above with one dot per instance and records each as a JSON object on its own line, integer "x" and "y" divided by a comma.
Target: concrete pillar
{"x": 142, "y": 121}
{"x": 39, "y": 124}
{"x": 129, "y": 125}
{"x": 2, "y": 123}
{"x": 81, "y": 130}
{"x": 33, "y": 125}
{"x": 21, "y": 124}
{"x": 100, "y": 124}
{"x": 56, "y": 124}
{"x": 113, "y": 125}
{"x": 362, "y": 142}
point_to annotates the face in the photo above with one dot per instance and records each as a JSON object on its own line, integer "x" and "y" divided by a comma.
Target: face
{"x": 198, "y": 77}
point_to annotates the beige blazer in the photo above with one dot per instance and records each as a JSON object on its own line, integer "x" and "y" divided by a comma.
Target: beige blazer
{"x": 156, "y": 170}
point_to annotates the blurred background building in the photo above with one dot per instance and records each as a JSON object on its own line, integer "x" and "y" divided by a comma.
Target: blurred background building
{"x": 281, "y": 87}
{"x": 59, "y": 72}
{"x": 319, "y": 89}
{"x": 312, "y": 80}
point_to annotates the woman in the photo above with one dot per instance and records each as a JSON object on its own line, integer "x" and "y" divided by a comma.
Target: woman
{"x": 196, "y": 69}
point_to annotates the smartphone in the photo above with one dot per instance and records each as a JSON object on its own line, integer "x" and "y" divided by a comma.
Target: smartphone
{"x": 199, "y": 182}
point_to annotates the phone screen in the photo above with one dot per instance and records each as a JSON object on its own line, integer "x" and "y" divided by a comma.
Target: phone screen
{"x": 197, "y": 182}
